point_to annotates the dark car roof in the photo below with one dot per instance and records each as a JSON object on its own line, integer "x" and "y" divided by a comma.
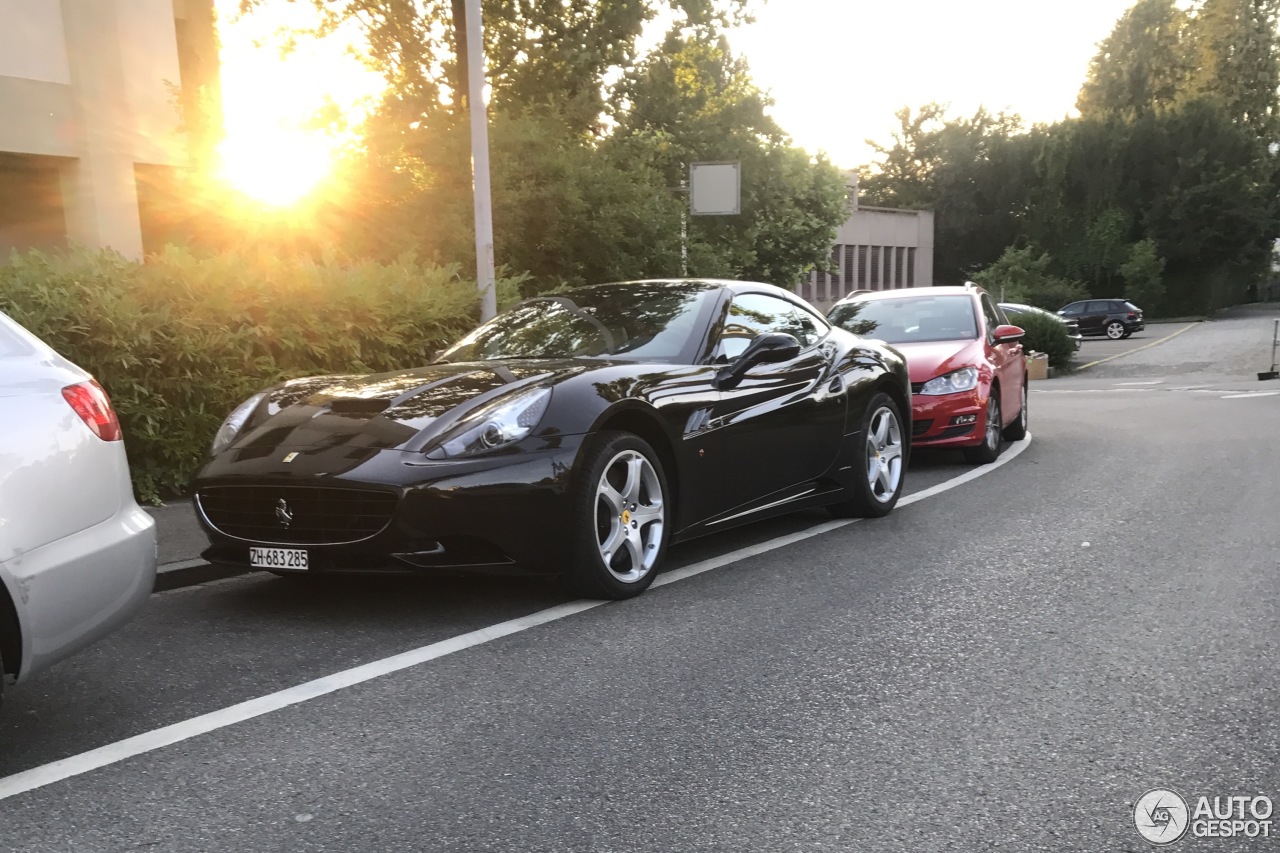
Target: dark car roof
{"x": 733, "y": 285}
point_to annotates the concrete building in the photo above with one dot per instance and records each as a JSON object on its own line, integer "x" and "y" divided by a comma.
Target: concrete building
{"x": 877, "y": 248}
{"x": 93, "y": 96}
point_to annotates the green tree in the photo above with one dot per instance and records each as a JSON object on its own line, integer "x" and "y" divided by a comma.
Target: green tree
{"x": 693, "y": 100}
{"x": 973, "y": 172}
{"x": 582, "y": 170}
{"x": 1142, "y": 271}
{"x": 1143, "y": 65}
{"x": 1237, "y": 52}
{"x": 537, "y": 53}
{"x": 1023, "y": 274}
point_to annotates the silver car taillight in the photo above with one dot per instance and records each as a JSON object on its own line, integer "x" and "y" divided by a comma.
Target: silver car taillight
{"x": 93, "y": 406}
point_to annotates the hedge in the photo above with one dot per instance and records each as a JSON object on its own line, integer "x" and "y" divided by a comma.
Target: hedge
{"x": 1047, "y": 335}
{"x": 180, "y": 340}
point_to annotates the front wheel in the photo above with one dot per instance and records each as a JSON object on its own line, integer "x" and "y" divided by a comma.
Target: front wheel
{"x": 991, "y": 446}
{"x": 621, "y": 523}
{"x": 1115, "y": 330}
{"x": 882, "y": 452}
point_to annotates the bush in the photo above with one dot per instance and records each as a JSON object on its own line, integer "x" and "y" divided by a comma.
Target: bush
{"x": 180, "y": 341}
{"x": 1045, "y": 334}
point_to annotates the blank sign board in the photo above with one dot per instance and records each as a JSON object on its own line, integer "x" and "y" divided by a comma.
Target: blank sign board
{"x": 715, "y": 189}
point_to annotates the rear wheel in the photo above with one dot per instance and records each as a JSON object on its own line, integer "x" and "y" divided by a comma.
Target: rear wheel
{"x": 621, "y": 523}
{"x": 1017, "y": 430}
{"x": 882, "y": 452}
{"x": 991, "y": 445}
{"x": 1115, "y": 330}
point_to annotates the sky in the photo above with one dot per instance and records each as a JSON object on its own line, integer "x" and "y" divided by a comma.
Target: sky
{"x": 837, "y": 70}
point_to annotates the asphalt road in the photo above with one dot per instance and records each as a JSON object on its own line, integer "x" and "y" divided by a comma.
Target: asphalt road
{"x": 1094, "y": 349}
{"x": 1007, "y": 664}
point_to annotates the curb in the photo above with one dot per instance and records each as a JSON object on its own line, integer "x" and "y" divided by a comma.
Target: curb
{"x": 191, "y": 573}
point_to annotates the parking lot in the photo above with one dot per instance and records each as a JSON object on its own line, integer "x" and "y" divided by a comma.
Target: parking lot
{"x": 1007, "y": 661}
{"x": 1097, "y": 349}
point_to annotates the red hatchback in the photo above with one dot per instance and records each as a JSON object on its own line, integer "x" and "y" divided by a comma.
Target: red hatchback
{"x": 968, "y": 373}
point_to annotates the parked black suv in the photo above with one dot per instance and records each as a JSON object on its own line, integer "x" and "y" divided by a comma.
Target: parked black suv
{"x": 1114, "y": 318}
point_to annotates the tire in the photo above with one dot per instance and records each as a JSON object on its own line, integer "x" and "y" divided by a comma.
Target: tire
{"x": 882, "y": 447}
{"x": 989, "y": 450}
{"x": 1017, "y": 430}
{"x": 621, "y": 476}
{"x": 1115, "y": 330}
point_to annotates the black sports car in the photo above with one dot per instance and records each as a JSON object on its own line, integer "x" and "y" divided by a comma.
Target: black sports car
{"x": 577, "y": 434}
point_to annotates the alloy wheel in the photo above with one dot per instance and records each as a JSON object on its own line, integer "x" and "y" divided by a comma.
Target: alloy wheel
{"x": 1115, "y": 331}
{"x": 884, "y": 454}
{"x": 993, "y": 421}
{"x": 629, "y": 516}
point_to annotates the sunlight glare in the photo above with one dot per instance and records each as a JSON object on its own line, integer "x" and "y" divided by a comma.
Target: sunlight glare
{"x": 279, "y": 167}
{"x": 273, "y": 150}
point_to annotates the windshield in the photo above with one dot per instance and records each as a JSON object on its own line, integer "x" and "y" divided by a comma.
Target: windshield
{"x": 905, "y": 320}
{"x": 639, "y": 322}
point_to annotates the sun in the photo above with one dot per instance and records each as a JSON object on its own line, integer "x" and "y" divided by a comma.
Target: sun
{"x": 278, "y": 167}
{"x": 273, "y": 150}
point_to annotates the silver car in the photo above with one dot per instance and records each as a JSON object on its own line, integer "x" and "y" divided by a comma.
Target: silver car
{"x": 77, "y": 554}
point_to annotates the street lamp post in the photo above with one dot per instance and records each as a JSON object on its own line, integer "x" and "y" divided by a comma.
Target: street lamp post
{"x": 486, "y": 276}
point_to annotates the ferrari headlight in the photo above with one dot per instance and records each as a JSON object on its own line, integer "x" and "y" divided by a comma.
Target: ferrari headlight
{"x": 964, "y": 379}
{"x": 234, "y": 423}
{"x": 498, "y": 425}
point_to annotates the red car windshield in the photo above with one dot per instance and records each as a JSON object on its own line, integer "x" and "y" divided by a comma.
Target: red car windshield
{"x": 910, "y": 319}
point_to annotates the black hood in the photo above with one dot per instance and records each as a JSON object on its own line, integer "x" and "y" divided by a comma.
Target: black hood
{"x": 387, "y": 410}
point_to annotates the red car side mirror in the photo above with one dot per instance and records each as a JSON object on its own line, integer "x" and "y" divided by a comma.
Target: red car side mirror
{"x": 1008, "y": 334}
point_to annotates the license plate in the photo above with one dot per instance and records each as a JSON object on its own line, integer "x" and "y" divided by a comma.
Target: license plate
{"x": 288, "y": 559}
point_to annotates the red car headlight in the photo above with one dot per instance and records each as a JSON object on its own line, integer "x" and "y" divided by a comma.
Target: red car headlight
{"x": 955, "y": 382}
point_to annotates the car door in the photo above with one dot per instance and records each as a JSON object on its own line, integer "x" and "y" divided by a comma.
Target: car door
{"x": 778, "y": 428}
{"x": 1073, "y": 312}
{"x": 1094, "y": 317}
{"x": 1006, "y": 359}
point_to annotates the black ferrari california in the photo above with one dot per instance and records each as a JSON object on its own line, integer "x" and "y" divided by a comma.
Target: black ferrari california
{"x": 577, "y": 434}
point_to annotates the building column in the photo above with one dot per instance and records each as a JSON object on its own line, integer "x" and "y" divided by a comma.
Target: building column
{"x": 100, "y": 189}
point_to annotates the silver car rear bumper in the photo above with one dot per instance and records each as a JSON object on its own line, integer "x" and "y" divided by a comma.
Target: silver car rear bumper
{"x": 74, "y": 591}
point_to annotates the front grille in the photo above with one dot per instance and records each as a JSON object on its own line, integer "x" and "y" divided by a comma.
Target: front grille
{"x": 920, "y": 427}
{"x": 953, "y": 431}
{"x": 296, "y": 515}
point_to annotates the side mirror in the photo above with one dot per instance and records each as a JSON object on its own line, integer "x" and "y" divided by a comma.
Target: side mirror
{"x": 1008, "y": 334}
{"x": 769, "y": 348}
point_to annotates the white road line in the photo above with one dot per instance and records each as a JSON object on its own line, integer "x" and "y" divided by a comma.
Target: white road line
{"x": 1145, "y": 382}
{"x": 1249, "y": 394}
{"x": 121, "y": 750}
